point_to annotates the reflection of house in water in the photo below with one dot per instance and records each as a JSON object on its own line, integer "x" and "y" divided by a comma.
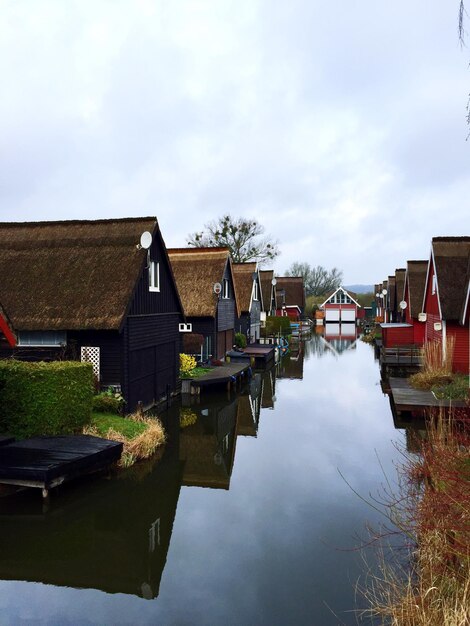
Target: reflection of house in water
{"x": 207, "y": 446}
{"x": 340, "y": 337}
{"x": 268, "y": 390}
{"x": 107, "y": 535}
{"x": 291, "y": 365}
{"x": 249, "y": 407}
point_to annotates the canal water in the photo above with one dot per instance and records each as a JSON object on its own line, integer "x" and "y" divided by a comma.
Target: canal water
{"x": 250, "y": 516}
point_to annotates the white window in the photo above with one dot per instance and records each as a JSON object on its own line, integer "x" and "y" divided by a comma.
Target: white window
{"x": 154, "y": 276}
{"x": 255, "y": 292}
{"x": 45, "y": 338}
{"x": 434, "y": 284}
{"x": 225, "y": 289}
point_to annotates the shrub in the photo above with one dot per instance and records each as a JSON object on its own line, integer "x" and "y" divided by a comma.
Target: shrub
{"x": 278, "y": 324}
{"x": 187, "y": 363}
{"x": 240, "y": 340}
{"x": 108, "y": 402}
{"x": 45, "y": 398}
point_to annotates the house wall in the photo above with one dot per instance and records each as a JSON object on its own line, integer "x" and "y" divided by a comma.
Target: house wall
{"x": 431, "y": 308}
{"x": 151, "y": 339}
{"x": 397, "y": 336}
{"x": 460, "y": 362}
{"x": 226, "y": 306}
{"x": 109, "y": 343}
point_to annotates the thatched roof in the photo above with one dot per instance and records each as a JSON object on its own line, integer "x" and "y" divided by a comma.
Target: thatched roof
{"x": 243, "y": 281}
{"x": 70, "y": 275}
{"x": 399, "y": 283}
{"x": 451, "y": 257}
{"x": 266, "y": 277}
{"x": 416, "y": 277}
{"x": 196, "y": 270}
{"x": 294, "y": 290}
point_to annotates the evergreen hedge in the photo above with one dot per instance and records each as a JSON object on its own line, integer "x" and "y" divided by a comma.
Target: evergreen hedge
{"x": 278, "y": 324}
{"x": 45, "y": 398}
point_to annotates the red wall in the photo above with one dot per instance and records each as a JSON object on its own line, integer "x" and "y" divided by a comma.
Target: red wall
{"x": 397, "y": 336}
{"x": 461, "y": 349}
{"x": 418, "y": 332}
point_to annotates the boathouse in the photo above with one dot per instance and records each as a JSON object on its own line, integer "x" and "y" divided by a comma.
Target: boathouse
{"x": 250, "y": 300}
{"x": 88, "y": 290}
{"x": 204, "y": 279}
{"x": 290, "y": 297}
{"x": 446, "y": 295}
{"x": 268, "y": 291}
{"x": 340, "y": 306}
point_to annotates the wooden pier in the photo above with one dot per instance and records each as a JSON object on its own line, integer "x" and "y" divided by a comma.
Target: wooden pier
{"x": 46, "y": 462}
{"x": 230, "y": 375}
{"x": 406, "y": 399}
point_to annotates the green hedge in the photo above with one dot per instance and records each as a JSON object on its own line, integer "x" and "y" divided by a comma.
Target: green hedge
{"x": 278, "y": 324}
{"x": 45, "y": 398}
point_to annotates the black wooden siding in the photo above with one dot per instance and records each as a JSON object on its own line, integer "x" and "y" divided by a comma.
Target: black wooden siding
{"x": 109, "y": 343}
{"x": 226, "y": 306}
{"x": 147, "y": 302}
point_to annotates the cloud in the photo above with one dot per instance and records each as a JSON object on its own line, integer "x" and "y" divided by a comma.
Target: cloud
{"x": 330, "y": 123}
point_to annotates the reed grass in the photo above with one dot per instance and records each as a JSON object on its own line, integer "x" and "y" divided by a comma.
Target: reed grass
{"x": 433, "y": 587}
{"x": 437, "y": 364}
{"x": 137, "y": 447}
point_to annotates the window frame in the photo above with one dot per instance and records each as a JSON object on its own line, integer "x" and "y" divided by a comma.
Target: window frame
{"x": 154, "y": 276}
{"x": 37, "y": 344}
{"x": 225, "y": 289}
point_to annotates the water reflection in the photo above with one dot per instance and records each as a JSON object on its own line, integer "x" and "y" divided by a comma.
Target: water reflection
{"x": 340, "y": 337}
{"x": 267, "y": 530}
{"x": 107, "y": 535}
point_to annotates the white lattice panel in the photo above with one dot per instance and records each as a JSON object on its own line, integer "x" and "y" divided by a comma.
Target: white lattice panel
{"x": 91, "y": 355}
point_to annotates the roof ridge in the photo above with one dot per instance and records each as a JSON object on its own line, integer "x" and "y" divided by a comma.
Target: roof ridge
{"x": 78, "y": 222}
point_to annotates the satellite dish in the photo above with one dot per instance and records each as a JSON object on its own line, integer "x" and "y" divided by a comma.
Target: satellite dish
{"x": 403, "y": 305}
{"x": 146, "y": 240}
{"x": 384, "y": 291}
{"x": 274, "y": 282}
{"x": 217, "y": 288}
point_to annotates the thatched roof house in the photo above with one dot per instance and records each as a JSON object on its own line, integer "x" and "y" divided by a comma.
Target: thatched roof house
{"x": 199, "y": 273}
{"x": 88, "y": 285}
{"x": 290, "y": 291}
{"x": 445, "y": 296}
{"x": 249, "y": 298}
{"x": 268, "y": 291}
{"x": 415, "y": 282}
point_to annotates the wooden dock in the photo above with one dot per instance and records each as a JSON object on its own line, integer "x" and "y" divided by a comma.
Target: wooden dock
{"x": 417, "y": 401}
{"x": 401, "y": 357}
{"x": 262, "y": 354}
{"x": 46, "y": 462}
{"x": 230, "y": 375}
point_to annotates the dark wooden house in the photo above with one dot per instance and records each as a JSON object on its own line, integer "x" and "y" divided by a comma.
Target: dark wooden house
{"x": 268, "y": 290}
{"x": 250, "y": 300}
{"x": 87, "y": 290}
{"x": 445, "y": 297}
{"x": 205, "y": 283}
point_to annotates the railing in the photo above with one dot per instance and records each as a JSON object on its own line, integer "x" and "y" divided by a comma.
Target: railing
{"x": 405, "y": 355}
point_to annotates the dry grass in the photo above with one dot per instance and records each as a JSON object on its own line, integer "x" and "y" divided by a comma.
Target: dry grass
{"x": 434, "y": 590}
{"x": 437, "y": 365}
{"x": 142, "y": 446}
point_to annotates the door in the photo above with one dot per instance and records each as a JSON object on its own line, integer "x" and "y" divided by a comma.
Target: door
{"x": 348, "y": 315}
{"x": 332, "y": 315}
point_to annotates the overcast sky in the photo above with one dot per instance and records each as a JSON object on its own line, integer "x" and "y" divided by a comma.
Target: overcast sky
{"x": 338, "y": 124}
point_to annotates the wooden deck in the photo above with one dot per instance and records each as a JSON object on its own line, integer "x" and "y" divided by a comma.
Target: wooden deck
{"x": 46, "y": 462}
{"x": 406, "y": 398}
{"x": 229, "y": 374}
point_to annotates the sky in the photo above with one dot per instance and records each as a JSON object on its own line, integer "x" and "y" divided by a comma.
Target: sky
{"x": 340, "y": 125}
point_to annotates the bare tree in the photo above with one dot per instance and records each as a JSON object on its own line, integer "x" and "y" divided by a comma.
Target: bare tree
{"x": 242, "y": 236}
{"x": 317, "y": 280}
